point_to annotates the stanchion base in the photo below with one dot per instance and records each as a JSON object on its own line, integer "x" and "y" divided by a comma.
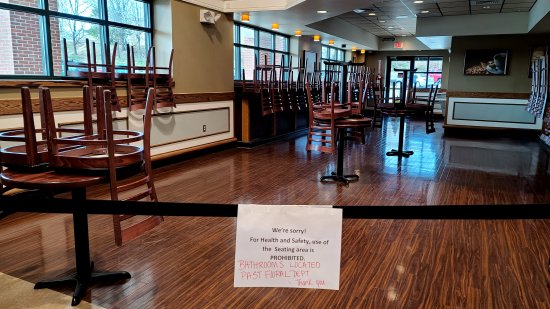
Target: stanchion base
{"x": 342, "y": 178}
{"x": 394, "y": 152}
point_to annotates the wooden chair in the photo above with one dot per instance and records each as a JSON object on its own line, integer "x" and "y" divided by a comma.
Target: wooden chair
{"x": 355, "y": 99}
{"x": 96, "y": 74}
{"x": 33, "y": 154}
{"x": 430, "y": 120}
{"x": 275, "y": 88}
{"x": 138, "y": 80}
{"x": 415, "y": 102}
{"x": 377, "y": 96}
{"x": 109, "y": 152}
{"x": 286, "y": 76}
{"x": 322, "y": 119}
{"x": 163, "y": 82}
{"x": 300, "y": 95}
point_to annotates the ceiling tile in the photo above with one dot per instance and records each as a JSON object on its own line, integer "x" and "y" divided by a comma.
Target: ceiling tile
{"x": 453, "y": 4}
{"x": 517, "y": 5}
{"x": 486, "y": 11}
{"x": 455, "y": 13}
{"x": 515, "y": 10}
{"x": 519, "y": 1}
{"x": 449, "y": 10}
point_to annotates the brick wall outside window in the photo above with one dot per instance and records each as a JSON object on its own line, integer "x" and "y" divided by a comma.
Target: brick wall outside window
{"x": 23, "y": 35}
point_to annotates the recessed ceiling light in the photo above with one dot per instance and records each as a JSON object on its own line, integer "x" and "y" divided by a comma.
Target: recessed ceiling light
{"x": 418, "y": 2}
{"x": 390, "y": 27}
{"x": 402, "y": 16}
{"x": 487, "y": 7}
{"x": 322, "y": 12}
{"x": 424, "y": 12}
{"x": 372, "y": 14}
{"x": 382, "y": 21}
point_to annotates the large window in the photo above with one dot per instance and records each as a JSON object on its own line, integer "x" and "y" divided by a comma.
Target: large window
{"x": 253, "y": 43}
{"x": 329, "y": 53}
{"x": 429, "y": 71}
{"x": 32, "y": 33}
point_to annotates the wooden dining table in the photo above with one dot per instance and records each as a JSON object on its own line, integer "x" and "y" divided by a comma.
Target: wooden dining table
{"x": 77, "y": 184}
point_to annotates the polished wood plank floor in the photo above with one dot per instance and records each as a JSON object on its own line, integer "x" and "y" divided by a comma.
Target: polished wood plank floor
{"x": 188, "y": 262}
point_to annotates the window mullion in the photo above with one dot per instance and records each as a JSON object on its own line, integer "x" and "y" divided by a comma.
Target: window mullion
{"x": 105, "y": 31}
{"x": 47, "y": 40}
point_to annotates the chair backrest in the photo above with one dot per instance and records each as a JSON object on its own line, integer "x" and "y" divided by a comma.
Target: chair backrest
{"x": 138, "y": 189}
{"x": 355, "y": 90}
{"x": 433, "y": 95}
{"x": 138, "y": 79}
{"x": 112, "y": 144}
{"x": 31, "y": 154}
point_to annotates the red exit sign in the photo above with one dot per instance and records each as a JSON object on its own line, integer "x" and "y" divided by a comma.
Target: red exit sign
{"x": 398, "y": 45}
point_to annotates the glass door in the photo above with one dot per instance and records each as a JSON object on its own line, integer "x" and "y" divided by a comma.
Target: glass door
{"x": 397, "y": 77}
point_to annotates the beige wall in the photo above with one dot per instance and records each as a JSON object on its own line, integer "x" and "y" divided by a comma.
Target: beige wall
{"x": 372, "y": 60}
{"x": 306, "y": 43}
{"x": 203, "y": 53}
{"x": 58, "y": 92}
{"x": 518, "y": 63}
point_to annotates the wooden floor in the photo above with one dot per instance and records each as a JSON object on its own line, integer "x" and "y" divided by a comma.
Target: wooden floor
{"x": 188, "y": 262}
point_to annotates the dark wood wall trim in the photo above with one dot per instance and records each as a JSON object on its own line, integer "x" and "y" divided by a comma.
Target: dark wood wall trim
{"x": 204, "y": 97}
{"x": 493, "y": 95}
{"x": 48, "y": 83}
{"x": 13, "y": 106}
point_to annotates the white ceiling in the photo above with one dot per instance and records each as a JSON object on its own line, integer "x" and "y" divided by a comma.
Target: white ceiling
{"x": 398, "y": 17}
{"x": 393, "y": 18}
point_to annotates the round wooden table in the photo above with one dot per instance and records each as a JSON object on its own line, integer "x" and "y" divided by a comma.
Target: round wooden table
{"x": 77, "y": 184}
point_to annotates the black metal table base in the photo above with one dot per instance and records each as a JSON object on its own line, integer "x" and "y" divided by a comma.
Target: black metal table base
{"x": 84, "y": 275}
{"x": 339, "y": 175}
{"x": 81, "y": 284}
{"x": 404, "y": 153}
{"x": 343, "y": 178}
{"x": 400, "y": 152}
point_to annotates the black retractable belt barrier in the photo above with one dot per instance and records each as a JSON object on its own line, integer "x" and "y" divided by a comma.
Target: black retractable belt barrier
{"x": 106, "y": 207}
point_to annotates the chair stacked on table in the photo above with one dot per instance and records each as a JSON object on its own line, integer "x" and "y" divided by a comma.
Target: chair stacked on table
{"x": 104, "y": 151}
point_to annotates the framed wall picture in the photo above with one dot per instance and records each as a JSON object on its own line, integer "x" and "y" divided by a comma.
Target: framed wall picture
{"x": 536, "y": 52}
{"x": 486, "y": 62}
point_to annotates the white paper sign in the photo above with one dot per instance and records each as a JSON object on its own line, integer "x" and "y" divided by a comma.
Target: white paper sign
{"x": 288, "y": 246}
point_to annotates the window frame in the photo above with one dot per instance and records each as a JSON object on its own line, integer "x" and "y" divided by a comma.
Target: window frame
{"x": 237, "y": 66}
{"x": 428, "y": 72}
{"x": 45, "y": 16}
{"x": 337, "y": 51}
{"x": 329, "y": 59}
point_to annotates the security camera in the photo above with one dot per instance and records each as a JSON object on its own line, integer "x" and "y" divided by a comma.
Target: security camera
{"x": 209, "y": 17}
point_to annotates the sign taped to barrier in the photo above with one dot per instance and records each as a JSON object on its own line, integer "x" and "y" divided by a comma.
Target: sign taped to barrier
{"x": 288, "y": 246}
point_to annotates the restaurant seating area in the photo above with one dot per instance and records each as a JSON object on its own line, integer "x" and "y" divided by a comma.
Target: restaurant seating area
{"x": 140, "y": 139}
